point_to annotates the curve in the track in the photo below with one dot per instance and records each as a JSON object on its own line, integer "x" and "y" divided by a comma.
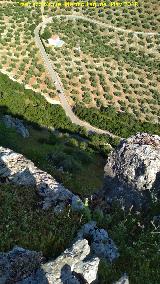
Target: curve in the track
{"x": 55, "y": 77}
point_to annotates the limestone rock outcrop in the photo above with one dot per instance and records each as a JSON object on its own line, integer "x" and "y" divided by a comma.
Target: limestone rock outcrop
{"x": 16, "y": 169}
{"x": 16, "y": 123}
{"x": 17, "y": 264}
{"x": 24, "y": 267}
{"x": 76, "y": 265}
{"x": 132, "y": 172}
{"x": 100, "y": 243}
{"x": 70, "y": 266}
{"x": 123, "y": 280}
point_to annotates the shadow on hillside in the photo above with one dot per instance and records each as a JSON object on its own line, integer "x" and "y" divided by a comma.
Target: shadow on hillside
{"x": 72, "y": 133}
{"x": 22, "y": 176}
{"x": 5, "y": 110}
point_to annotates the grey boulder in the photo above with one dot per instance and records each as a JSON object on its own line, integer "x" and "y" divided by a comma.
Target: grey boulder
{"x": 16, "y": 169}
{"x": 73, "y": 266}
{"x": 132, "y": 171}
{"x": 100, "y": 243}
{"x": 16, "y": 123}
{"x": 17, "y": 264}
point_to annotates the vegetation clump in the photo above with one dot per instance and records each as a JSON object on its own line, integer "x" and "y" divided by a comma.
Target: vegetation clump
{"x": 138, "y": 241}
{"x": 122, "y": 124}
{"x": 25, "y": 223}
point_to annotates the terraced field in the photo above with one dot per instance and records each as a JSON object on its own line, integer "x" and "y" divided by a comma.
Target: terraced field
{"x": 114, "y": 66}
{"x": 19, "y": 56}
{"x": 101, "y": 66}
{"x": 140, "y": 15}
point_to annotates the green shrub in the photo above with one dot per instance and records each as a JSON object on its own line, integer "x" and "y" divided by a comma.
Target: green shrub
{"x": 122, "y": 124}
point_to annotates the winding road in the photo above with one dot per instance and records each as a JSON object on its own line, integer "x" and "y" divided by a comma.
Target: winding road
{"x": 102, "y": 24}
{"x": 59, "y": 86}
{"x": 55, "y": 77}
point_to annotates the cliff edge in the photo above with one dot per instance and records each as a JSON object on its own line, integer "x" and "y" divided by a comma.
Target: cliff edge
{"x": 132, "y": 171}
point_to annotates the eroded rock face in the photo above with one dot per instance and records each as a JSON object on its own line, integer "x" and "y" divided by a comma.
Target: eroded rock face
{"x": 70, "y": 267}
{"x": 132, "y": 171}
{"x": 100, "y": 243}
{"x": 25, "y": 267}
{"x": 76, "y": 265}
{"x": 17, "y": 264}
{"x": 16, "y": 123}
{"x": 16, "y": 169}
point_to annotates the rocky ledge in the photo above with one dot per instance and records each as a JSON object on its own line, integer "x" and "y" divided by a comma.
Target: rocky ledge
{"x": 132, "y": 172}
{"x": 23, "y": 266}
{"x": 100, "y": 243}
{"x": 16, "y": 169}
{"x": 16, "y": 123}
{"x": 76, "y": 265}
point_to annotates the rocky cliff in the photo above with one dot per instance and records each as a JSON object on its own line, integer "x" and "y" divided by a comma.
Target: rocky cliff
{"x": 132, "y": 177}
{"x": 76, "y": 265}
{"x": 16, "y": 123}
{"x": 24, "y": 267}
{"x": 132, "y": 171}
{"x": 16, "y": 169}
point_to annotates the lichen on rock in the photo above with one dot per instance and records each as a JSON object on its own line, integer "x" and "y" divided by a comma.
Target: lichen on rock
{"x": 100, "y": 243}
{"x": 132, "y": 171}
{"x": 72, "y": 266}
{"x": 12, "y": 122}
{"x": 17, "y": 264}
{"x": 16, "y": 169}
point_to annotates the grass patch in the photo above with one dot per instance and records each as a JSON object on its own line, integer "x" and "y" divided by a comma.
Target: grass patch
{"x": 25, "y": 224}
{"x": 84, "y": 179}
{"x": 138, "y": 243}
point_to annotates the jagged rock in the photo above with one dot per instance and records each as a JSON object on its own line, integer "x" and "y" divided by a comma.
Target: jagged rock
{"x": 16, "y": 169}
{"x": 37, "y": 277}
{"x": 70, "y": 266}
{"x": 17, "y": 264}
{"x": 25, "y": 267}
{"x": 77, "y": 203}
{"x": 123, "y": 280}
{"x": 100, "y": 243}
{"x": 132, "y": 172}
{"x": 16, "y": 123}
{"x": 76, "y": 265}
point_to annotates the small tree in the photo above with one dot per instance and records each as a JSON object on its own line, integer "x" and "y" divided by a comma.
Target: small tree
{"x": 46, "y": 34}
